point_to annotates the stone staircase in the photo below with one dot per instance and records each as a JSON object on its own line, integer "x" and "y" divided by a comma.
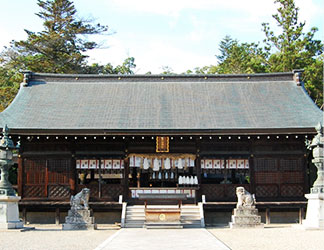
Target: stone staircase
{"x": 135, "y": 216}
{"x": 190, "y": 217}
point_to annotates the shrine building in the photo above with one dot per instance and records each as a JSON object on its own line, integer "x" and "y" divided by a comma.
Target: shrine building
{"x": 199, "y": 135}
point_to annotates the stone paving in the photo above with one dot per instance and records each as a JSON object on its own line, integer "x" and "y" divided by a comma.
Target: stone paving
{"x": 158, "y": 239}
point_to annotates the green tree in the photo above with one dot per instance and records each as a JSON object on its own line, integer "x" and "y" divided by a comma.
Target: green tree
{"x": 127, "y": 68}
{"x": 238, "y": 58}
{"x": 60, "y": 46}
{"x": 292, "y": 48}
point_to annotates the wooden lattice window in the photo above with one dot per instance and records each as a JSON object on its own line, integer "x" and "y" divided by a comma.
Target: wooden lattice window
{"x": 265, "y": 165}
{"x": 58, "y": 171}
{"x": 34, "y": 171}
{"x": 291, "y": 165}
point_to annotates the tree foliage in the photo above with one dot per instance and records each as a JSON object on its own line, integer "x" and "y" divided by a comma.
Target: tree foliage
{"x": 292, "y": 48}
{"x": 239, "y": 58}
{"x": 59, "y": 48}
{"x": 126, "y": 68}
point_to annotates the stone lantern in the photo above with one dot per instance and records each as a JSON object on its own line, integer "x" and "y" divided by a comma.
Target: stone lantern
{"x": 6, "y": 147}
{"x": 315, "y": 206}
{"x": 9, "y": 213}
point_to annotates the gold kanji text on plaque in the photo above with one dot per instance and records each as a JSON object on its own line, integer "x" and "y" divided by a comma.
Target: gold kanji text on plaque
{"x": 162, "y": 144}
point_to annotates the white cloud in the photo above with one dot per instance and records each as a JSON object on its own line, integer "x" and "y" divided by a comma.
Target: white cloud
{"x": 173, "y": 8}
{"x": 161, "y": 53}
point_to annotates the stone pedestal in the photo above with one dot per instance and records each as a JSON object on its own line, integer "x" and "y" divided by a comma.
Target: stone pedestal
{"x": 315, "y": 211}
{"x": 79, "y": 219}
{"x": 9, "y": 213}
{"x": 246, "y": 217}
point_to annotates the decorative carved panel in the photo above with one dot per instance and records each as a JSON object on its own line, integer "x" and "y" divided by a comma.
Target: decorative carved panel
{"x": 59, "y": 191}
{"x": 292, "y": 191}
{"x": 34, "y": 191}
{"x": 266, "y": 191}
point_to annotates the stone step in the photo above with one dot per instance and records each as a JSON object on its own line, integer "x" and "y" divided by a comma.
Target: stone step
{"x": 127, "y": 225}
{"x": 131, "y": 218}
{"x": 165, "y": 225}
{"x": 190, "y": 213}
{"x": 185, "y": 225}
{"x": 135, "y": 209}
{"x": 190, "y": 222}
{"x": 190, "y": 217}
{"x": 135, "y": 221}
{"x": 135, "y": 212}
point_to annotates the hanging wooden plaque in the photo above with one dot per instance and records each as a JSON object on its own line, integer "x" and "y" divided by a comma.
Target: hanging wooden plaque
{"x": 162, "y": 144}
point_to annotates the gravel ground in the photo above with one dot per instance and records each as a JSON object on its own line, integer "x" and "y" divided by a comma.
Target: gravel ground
{"x": 275, "y": 236}
{"x": 51, "y": 237}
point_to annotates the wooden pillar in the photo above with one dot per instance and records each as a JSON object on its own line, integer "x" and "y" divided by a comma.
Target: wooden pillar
{"x": 198, "y": 168}
{"x": 57, "y": 216}
{"x": 46, "y": 179}
{"x": 24, "y": 215}
{"x": 125, "y": 182}
{"x": 99, "y": 181}
{"x": 301, "y": 215}
{"x": 252, "y": 174}
{"x": 73, "y": 176}
{"x": 20, "y": 179}
{"x": 267, "y": 216}
{"x": 306, "y": 176}
{"x": 138, "y": 177}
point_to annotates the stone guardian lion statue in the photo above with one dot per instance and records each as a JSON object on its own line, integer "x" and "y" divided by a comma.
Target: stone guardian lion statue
{"x": 244, "y": 198}
{"x": 80, "y": 200}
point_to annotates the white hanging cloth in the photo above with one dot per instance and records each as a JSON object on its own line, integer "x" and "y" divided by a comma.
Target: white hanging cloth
{"x": 167, "y": 163}
{"x": 160, "y": 176}
{"x": 156, "y": 166}
{"x": 153, "y": 175}
{"x": 166, "y": 175}
{"x": 180, "y": 180}
{"x": 146, "y": 164}
{"x": 187, "y": 180}
{"x": 195, "y": 180}
{"x": 180, "y": 165}
{"x": 172, "y": 175}
{"x": 191, "y": 180}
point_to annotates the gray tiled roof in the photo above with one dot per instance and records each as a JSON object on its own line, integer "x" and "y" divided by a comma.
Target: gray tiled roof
{"x": 267, "y": 101}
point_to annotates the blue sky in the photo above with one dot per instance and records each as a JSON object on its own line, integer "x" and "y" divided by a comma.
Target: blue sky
{"x": 181, "y": 34}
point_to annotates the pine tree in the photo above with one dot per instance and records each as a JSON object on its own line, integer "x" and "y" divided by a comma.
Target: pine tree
{"x": 60, "y": 47}
{"x": 295, "y": 49}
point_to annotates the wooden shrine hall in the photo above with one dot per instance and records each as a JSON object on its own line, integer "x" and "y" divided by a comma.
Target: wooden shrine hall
{"x": 162, "y": 134}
